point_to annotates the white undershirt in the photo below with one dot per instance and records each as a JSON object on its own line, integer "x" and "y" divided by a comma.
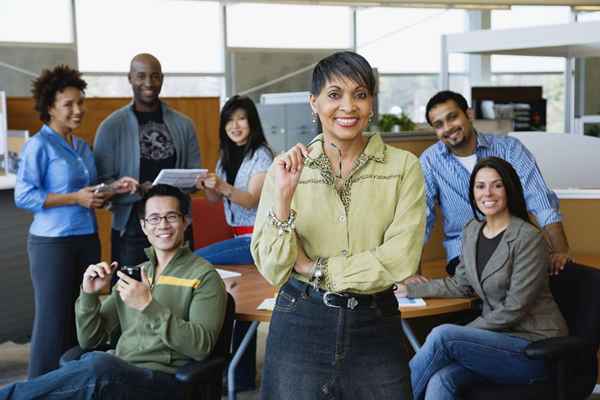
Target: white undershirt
{"x": 467, "y": 162}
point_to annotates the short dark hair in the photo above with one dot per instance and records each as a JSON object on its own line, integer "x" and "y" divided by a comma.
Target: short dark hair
{"x": 343, "y": 64}
{"x": 257, "y": 135}
{"x": 444, "y": 96}
{"x": 515, "y": 198}
{"x": 50, "y": 82}
{"x": 165, "y": 191}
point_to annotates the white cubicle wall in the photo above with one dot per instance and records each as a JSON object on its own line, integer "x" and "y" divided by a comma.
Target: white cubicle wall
{"x": 569, "y": 163}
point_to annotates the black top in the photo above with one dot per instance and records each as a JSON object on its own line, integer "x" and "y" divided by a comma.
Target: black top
{"x": 485, "y": 248}
{"x": 157, "y": 150}
{"x": 236, "y": 156}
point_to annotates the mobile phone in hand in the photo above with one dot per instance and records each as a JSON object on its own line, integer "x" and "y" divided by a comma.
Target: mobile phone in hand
{"x": 103, "y": 188}
{"x": 132, "y": 272}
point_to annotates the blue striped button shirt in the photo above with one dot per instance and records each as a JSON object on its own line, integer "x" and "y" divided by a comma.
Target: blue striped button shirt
{"x": 50, "y": 165}
{"x": 447, "y": 183}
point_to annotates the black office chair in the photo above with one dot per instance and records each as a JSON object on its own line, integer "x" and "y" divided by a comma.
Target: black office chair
{"x": 571, "y": 359}
{"x": 203, "y": 379}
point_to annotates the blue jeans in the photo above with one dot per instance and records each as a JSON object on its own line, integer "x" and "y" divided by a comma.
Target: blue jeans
{"x": 97, "y": 375}
{"x": 57, "y": 265}
{"x": 231, "y": 252}
{"x": 228, "y": 252}
{"x": 316, "y": 352}
{"x": 456, "y": 356}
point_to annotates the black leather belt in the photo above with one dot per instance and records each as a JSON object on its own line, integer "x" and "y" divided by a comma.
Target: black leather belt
{"x": 350, "y": 301}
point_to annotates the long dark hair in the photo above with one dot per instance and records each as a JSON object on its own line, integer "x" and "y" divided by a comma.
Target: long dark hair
{"x": 256, "y": 138}
{"x": 515, "y": 199}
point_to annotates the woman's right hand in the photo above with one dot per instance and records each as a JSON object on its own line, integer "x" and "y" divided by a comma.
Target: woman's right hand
{"x": 97, "y": 277}
{"x": 88, "y": 198}
{"x": 288, "y": 168}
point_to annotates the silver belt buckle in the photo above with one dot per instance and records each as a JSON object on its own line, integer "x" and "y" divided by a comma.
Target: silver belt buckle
{"x": 351, "y": 301}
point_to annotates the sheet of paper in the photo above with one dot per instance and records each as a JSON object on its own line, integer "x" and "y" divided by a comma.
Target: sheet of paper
{"x": 181, "y": 178}
{"x": 267, "y": 305}
{"x": 227, "y": 274}
{"x": 407, "y": 302}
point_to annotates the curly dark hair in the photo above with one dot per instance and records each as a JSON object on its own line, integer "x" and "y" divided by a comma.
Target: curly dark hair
{"x": 50, "y": 82}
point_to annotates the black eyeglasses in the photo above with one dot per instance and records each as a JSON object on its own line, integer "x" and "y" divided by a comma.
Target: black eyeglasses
{"x": 171, "y": 218}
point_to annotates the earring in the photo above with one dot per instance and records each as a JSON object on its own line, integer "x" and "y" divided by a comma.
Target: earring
{"x": 371, "y": 115}
{"x": 314, "y": 117}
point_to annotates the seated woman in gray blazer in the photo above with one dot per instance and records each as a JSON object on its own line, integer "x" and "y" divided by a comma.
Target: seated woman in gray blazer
{"x": 505, "y": 262}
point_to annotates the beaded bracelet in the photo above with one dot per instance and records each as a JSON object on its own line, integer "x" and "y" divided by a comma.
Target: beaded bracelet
{"x": 317, "y": 273}
{"x": 283, "y": 226}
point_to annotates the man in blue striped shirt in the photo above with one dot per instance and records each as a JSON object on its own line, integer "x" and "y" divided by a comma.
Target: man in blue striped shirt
{"x": 447, "y": 166}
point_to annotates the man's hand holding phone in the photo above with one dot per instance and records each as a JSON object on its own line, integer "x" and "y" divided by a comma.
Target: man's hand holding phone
{"x": 97, "y": 277}
{"x": 136, "y": 294}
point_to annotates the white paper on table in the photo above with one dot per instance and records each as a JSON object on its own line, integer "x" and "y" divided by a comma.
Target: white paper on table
{"x": 410, "y": 302}
{"x": 227, "y": 274}
{"x": 181, "y": 178}
{"x": 267, "y": 304}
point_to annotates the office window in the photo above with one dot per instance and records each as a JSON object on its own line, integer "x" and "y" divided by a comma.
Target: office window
{"x": 173, "y": 86}
{"x": 522, "y": 17}
{"x": 410, "y": 93}
{"x": 588, "y": 16}
{"x": 186, "y": 36}
{"x": 406, "y": 40}
{"x": 289, "y": 26}
{"x": 36, "y": 21}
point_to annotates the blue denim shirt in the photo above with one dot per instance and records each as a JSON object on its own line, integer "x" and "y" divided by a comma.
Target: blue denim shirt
{"x": 447, "y": 183}
{"x": 50, "y": 165}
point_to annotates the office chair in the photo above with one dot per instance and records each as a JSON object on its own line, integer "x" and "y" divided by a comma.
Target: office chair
{"x": 572, "y": 359}
{"x": 203, "y": 379}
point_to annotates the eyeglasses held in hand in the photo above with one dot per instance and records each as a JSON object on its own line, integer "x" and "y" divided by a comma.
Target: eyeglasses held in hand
{"x": 155, "y": 219}
{"x": 316, "y": 140}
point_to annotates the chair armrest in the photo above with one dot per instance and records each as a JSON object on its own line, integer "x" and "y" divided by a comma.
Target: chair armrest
{"x": 201, "y": 371}
{"x": 556, "y": 348}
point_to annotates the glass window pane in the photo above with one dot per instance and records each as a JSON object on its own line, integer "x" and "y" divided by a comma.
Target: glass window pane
{"x": 289, "y": 26}
{"x": 522, "y": 17}
{"x": 528, "y": 16}
{"x": 508, "y": 64}
{"x": 173, "y": 86}
{"x": 410, "y": 93}
{"x": 36, "y": 21}
{"x": 588, "y": 16}
{"x": 404, "y": 40}
{"x": 186, "y": 36}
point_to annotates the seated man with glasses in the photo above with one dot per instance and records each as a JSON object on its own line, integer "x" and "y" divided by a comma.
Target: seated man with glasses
{"x": 173, "y": 315}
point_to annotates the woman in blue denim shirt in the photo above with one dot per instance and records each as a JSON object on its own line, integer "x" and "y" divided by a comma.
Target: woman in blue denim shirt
{"x": 240, "y": 173}
{"x": 55, "y": 182}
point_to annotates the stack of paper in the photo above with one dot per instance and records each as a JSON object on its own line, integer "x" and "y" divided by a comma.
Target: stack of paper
{"x": 408, "y": 302}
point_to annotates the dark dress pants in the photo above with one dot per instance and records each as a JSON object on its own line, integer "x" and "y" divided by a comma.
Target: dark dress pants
{"x": 57, "y": 265}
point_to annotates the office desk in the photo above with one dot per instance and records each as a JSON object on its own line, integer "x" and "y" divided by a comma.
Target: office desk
{"x": 250, "y": 289}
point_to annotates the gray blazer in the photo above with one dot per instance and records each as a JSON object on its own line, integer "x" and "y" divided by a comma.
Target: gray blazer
{"x": 117, "y": 152}
{"x": 513, "y": 285}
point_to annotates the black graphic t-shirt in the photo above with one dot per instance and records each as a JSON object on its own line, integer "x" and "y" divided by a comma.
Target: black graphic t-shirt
{"x": 157, "y": 152}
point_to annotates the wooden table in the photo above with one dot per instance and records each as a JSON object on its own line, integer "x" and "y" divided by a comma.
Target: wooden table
{"x": 250, "y": 289}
